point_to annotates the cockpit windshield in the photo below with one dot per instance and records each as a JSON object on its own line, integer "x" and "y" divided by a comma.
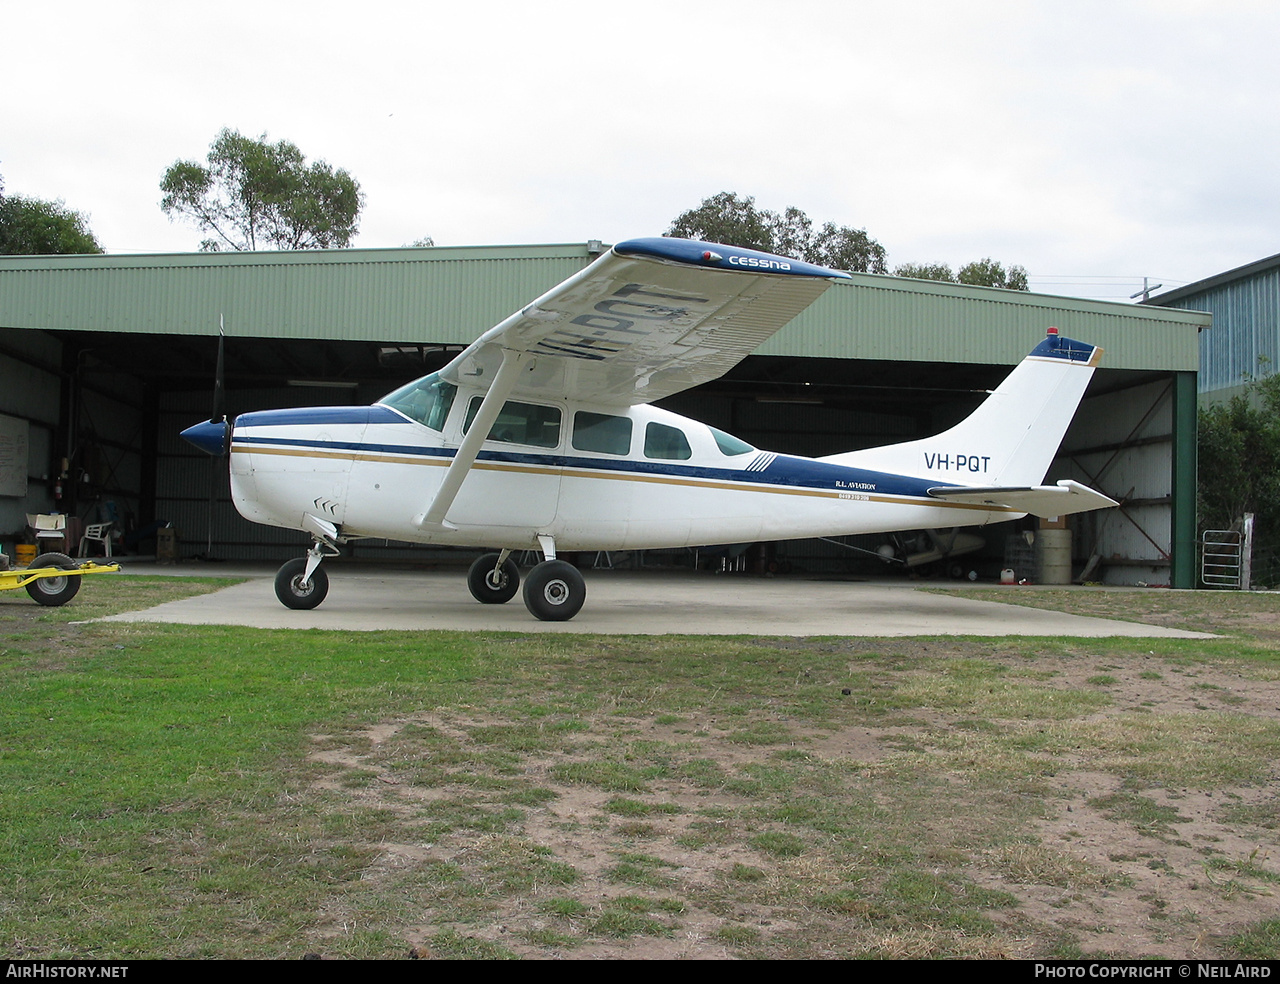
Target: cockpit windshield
{"x": 426, "y": 400}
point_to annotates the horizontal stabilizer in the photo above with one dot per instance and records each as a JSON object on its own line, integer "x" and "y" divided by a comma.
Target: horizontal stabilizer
{"x": 1063, "y": 499}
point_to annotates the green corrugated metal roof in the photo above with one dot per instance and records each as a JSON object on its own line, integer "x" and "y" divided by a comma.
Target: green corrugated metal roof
{"x": 880, "y": 317}
{"x": 447, "y": 294}
{"x": 452, "y": 294}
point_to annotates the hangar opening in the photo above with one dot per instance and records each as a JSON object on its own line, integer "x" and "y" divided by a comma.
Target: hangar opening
{"x": 105, "y": 359}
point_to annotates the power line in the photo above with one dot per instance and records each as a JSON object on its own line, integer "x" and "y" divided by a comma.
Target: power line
{"x": 1101, "y": 279}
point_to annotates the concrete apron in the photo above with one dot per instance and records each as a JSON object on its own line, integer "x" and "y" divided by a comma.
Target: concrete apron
{"x": 639, "y": 603}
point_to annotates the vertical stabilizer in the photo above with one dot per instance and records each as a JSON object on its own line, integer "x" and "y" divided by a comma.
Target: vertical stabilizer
{"x": 1009, "y": 440}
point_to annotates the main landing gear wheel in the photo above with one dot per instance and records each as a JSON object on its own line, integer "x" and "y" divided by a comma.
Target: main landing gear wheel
{"x": 491, "y": 584}
{"x": 293, "y": 593}
{"x": 554, "y": 591}
{"x": 53, "y": 591}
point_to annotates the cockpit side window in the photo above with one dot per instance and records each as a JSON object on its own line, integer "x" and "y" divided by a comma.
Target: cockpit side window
{"x": 426, "y": 400}
{"x": 520, "y": 423}
{"x": 664, "y": 442}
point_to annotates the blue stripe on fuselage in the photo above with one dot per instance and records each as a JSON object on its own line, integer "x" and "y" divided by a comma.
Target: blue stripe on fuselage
{"x": 783, "y": 471}
{"x": 321, "y": 416}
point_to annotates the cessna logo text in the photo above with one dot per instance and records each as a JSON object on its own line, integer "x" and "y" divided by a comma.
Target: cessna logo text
{"x": 758, "y": 261}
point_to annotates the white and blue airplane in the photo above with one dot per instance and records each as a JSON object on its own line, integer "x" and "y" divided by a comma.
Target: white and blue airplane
{"x": 540, "y": 436}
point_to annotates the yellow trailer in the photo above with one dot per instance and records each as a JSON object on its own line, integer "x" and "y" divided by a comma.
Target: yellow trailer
{"x": 52, "y": 578}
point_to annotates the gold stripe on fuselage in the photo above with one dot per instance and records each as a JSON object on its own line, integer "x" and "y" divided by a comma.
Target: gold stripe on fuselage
{"x": 578, "y": 472}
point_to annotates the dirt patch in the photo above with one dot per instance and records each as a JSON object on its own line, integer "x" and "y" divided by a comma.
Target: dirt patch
{"x": 662, "y": 838}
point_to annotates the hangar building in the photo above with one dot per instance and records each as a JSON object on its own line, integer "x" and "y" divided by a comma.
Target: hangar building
{"x": 104, "y": 359}
{"x": 1245, "y": 341}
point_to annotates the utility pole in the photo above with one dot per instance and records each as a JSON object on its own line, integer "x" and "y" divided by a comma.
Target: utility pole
{"x": 1145, "y": 293}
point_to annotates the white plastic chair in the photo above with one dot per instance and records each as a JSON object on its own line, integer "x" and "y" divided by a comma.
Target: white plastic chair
{"x": 97, "y": 533}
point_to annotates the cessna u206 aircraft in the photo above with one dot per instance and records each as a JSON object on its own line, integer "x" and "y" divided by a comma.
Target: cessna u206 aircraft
{"x": 539, "y": 435}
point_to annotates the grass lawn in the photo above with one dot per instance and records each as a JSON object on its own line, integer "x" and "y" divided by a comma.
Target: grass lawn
{"x": 183, "y": 791}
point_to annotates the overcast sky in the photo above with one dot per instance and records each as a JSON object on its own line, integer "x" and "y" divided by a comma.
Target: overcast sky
{"x": 1091, "y": 142}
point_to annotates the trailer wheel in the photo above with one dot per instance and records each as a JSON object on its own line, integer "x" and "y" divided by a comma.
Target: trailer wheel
{"x": 54, "y": 591}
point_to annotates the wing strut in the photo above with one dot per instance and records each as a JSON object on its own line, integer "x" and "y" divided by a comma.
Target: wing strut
{"x": 503, "y": 383}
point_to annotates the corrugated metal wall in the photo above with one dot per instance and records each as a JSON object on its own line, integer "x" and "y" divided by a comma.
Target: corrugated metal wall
{"x": 1245, "y": 339}
{"x": 103, "y": 440}
{"x": 1121, "y": 443}
{"x": 451, "y": 295}
{"x": 106, "y": 460}
{"x": 30, "y": 391}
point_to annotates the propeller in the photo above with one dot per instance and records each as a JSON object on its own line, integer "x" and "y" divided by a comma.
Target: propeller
{"x": 214, "y": 436}
{"x": 219, "y": 389}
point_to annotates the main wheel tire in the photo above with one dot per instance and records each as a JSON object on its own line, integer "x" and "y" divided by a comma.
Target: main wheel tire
{"x": 291, "y": 591}
{"x": 554, "y": 591}
{"x": 53, "y": 591}
{"x": 491, "y": 584}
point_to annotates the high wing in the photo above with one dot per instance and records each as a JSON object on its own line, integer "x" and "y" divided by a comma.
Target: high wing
{"x": 649, "y": 318}
{"x": 1063, "y": 499}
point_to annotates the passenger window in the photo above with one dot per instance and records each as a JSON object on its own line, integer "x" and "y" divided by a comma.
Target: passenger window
{"x": 728, "y": 444}
{"x": 661, "y": 441}
{"x": 426, "y": 400}
{"x": 520, "y": 423}
{"x": 602, "y": 432}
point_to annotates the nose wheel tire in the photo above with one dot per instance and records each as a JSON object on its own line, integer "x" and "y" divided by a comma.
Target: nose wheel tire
{"x": 53, "y": 591}
{"x": 293, "y": 593}
{"x": 554, "y": 591}
{"x": 491, "y": 584}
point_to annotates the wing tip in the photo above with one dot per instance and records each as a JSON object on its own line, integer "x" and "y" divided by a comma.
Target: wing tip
{"x": 719, "y": 256}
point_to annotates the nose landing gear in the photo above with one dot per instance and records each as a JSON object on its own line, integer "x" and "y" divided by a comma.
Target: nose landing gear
{"x": 301, "y": 583}
{"x": 299, "y": 590}
{"x": 494, "y": 579}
